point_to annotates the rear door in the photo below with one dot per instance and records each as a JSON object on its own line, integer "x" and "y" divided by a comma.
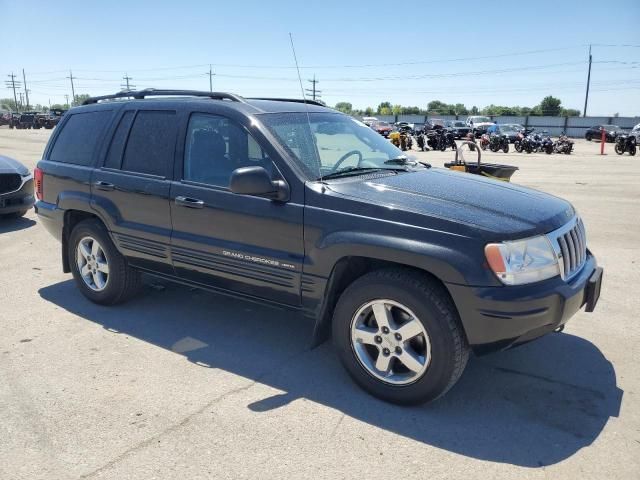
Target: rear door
{"x": 131, "y": 189}
{"x": 235, "y": 242}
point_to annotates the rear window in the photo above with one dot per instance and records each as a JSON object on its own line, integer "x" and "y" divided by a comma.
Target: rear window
{"x": 77, "y": 141}
{"x": 151, "y": 145}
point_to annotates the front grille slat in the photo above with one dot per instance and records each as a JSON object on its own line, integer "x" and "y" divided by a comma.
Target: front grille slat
{"x": 571, "y": 244}
{"x": 9, "y": 182}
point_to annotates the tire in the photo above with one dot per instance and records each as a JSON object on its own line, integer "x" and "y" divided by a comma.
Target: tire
{"x": 619, "y": 150}
{"x": 518, "y": 147}
{"x": 588, "y": 137}
{"x": 120, "y": 283}
{"x": 422, "y": 299}
{"x": 548, "y": 150}
{"x": 505, "y": 148}
{"x": 632, "y": 150}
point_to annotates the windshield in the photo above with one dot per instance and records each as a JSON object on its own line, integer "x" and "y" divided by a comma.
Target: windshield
{"x": 336, "y": 142}
{"x": 481, "y": 120}
{"x": 507, "y": 128}
{"x": 459, "y": 124}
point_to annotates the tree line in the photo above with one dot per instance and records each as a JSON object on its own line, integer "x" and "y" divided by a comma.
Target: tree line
{"x": 10, "y": 104}
{"x": 549, "y": 106}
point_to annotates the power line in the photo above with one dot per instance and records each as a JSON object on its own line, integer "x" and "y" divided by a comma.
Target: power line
{"x": 12, "y": 84}
{"x": 73, "y": 90}
{"x": 315, "y": 93}
{"x": 127, "y": 85}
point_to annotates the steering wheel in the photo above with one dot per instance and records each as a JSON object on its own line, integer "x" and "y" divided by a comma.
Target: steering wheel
{"x": 345, "y": 156}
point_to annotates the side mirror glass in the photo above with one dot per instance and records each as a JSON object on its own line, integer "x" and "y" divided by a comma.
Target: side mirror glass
{"x": 256, "y": 181}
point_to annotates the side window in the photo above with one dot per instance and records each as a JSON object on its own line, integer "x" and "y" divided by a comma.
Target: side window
{"x": 151, "y": 145}
{"x": 77, "y": 141}
{"x": 114, "y": 156}
{"x": 215, "y": 147}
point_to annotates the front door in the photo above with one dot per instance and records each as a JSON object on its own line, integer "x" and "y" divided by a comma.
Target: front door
{"x": 240, "y": 243}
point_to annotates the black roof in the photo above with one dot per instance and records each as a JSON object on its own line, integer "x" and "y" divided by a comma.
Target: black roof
{"x": 248, "y": 105}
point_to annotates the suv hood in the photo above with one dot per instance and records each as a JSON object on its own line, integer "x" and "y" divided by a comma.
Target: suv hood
{"x": 9, "y": 165}
{"x": 500, "y": 210}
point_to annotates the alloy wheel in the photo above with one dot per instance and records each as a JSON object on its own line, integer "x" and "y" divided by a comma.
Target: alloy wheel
{"x": 92, "y": 263}
{"x": 390, "y": 342}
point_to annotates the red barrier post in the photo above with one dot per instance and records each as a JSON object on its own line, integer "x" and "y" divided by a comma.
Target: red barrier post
{"x": 603, "y": 139}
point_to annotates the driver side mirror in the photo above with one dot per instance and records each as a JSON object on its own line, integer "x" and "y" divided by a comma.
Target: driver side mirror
{"x": 255, "y": 181}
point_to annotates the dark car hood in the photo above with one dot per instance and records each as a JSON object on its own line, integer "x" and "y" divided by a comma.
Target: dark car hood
{"x": 499, "y": 209}
{"x": 9, "y": 165}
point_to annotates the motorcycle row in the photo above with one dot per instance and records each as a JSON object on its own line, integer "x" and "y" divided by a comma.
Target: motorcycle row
{"x": 526, "y": 141}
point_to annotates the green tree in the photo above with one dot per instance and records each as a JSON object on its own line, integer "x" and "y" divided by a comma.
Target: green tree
{"x": 436, "y": 106}
{"x": 368, "y": 111}
{"x": 396, "y": 109}
{"x": 60, "y": 106}
{"x": 460, "y": 109}
{"x": 474, "y": 110}
{"x": 550, "y": 106}
{"x": 386, "y": 106}
{"x": 385, "y": 110}
{"x": 570, "y": 112}
{"x": 80, "y": 98}
{"x": 7, "y": 104}
{"x": 344, "y": 107}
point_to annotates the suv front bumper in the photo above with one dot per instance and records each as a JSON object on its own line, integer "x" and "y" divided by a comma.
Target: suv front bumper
{"x": 496, "y": 318}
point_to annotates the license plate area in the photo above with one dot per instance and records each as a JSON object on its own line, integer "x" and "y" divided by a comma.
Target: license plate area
{"x": 592, "y": 290}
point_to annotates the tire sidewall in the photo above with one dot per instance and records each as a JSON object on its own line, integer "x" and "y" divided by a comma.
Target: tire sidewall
{"x": 435, "y": 379}
{"x": 114, "y": 259}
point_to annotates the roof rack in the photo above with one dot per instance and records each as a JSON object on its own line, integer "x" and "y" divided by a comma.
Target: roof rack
{"x": 295, "y": 100}
{"x": 151, "y": 92}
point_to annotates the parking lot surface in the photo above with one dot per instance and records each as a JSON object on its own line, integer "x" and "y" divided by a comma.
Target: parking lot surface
{"x": 180, "y": 383}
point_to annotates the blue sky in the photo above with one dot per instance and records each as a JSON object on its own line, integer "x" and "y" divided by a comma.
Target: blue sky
{"x": 362, "y": 52}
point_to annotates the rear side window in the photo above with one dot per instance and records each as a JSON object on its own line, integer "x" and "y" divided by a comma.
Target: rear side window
{"x": 78, "y": 140}
{"x": 114, "y": 157}
{"x": 151, "y": 144}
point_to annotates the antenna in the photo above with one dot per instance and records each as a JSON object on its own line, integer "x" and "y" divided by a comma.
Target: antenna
{"x": 306, "y": 105}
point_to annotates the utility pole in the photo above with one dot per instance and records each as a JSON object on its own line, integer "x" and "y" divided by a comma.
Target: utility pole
{"x": 586, "y": 96}
{"x": 26, "y": 91}
{"x": 73, "y": 90}
{"x": 127, "y": 85}
{"x": 21, "y": 98}
{"x": 315, "y": 94}
{"x": 12, "y": 84}
{"x": 210, "y": 79}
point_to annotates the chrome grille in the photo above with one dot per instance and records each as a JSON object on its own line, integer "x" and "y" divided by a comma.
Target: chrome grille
{"x": 570, "y": 245}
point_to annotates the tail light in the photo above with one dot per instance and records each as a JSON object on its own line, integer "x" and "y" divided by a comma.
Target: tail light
{"x": 38, "y": 179}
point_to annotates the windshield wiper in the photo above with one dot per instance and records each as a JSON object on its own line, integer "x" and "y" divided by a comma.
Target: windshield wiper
{"x": 406, "y": 161}
{"x": 355, "y": 171}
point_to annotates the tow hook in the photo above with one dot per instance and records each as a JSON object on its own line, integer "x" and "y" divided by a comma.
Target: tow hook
{"x": 559, "y": 329}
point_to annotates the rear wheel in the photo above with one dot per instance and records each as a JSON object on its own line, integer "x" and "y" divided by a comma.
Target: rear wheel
{"x": 398, "y": 335}
{"x": 632, "y": 150}
{"x": 100, "y": 271}
{"x": 588, "y": 137}
{"x": 518, "y": 146}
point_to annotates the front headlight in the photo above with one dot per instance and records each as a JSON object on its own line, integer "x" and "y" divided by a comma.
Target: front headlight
{"x": 523, "y": 261}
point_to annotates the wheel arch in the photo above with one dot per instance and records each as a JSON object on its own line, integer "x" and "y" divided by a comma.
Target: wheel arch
{"x": 347, "y": 270}
{"x": 73, "y": 217}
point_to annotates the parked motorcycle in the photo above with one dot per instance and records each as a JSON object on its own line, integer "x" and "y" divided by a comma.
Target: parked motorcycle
{"x": 499, "y": 142}
{"x": 563, "y": 145}
{"x": 484, "y": 141}
{"x": 546, "y": 144}
{"x": 625, "y": 143}
{"x": 440, "y": 139}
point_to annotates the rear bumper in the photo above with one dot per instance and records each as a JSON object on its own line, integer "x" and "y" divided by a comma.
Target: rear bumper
{"x": 51, "y": 217}
{"x": 19, "y": 200}
{"x": 496, "y": 318}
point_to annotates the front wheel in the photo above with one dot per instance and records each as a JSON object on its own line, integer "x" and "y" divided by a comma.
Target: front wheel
{"x": 619, "y": 150}
{"x": 101, "y": 272}
{"x": 398, "y": 335}
{"x": 518, "y": 146}
{"x": 588, "y": 137}
{"x": 505, "y": 148}
{"x": 548, "y": 150}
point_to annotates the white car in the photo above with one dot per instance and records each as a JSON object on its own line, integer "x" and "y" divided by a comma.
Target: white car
{"x": 636, "y": 132}
{"x": 479, "y": 122}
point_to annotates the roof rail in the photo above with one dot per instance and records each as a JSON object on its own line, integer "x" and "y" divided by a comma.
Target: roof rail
{"x": 151, "y": 92}
{"x": 295, "y": 100}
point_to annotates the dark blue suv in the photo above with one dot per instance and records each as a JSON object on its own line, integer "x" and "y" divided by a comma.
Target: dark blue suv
{"x": 285, "y": 201}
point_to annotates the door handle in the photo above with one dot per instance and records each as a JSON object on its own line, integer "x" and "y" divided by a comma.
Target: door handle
{"x": 100, "y": 185}
{"x": 189, "y": 202}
